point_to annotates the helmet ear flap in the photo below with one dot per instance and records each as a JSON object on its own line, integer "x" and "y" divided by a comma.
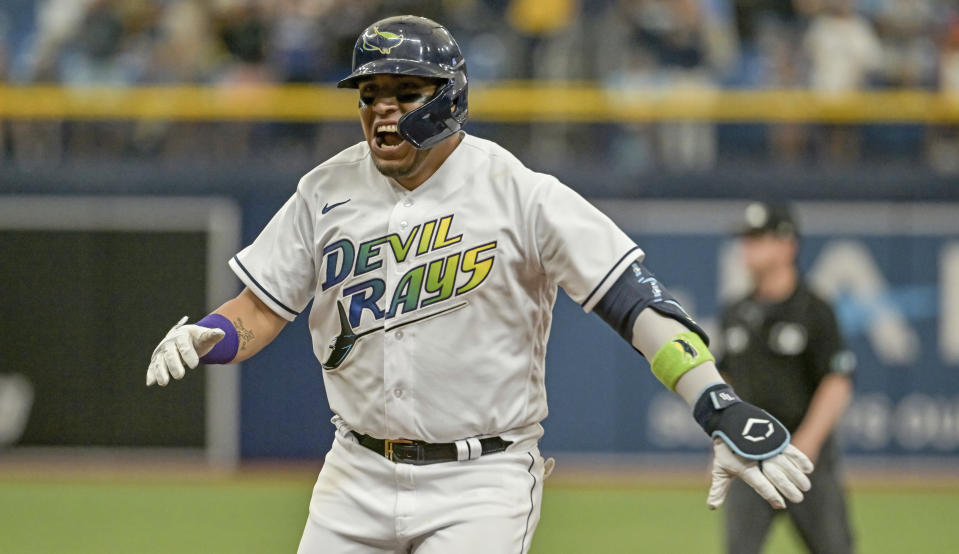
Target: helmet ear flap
{"x": 439, "y": 118}
{"x": 460, "y": 108}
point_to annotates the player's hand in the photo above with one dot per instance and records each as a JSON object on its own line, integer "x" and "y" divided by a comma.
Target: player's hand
{"x": 782, "y": 475}
{"x": 752, "y": 444}
{"x": 183, "y": 344}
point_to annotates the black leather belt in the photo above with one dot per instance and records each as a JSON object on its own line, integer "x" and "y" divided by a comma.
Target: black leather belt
{"x": 424, "y": 453}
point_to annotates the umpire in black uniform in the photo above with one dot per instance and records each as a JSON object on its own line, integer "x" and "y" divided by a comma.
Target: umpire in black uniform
{"x": 784, "y": 353}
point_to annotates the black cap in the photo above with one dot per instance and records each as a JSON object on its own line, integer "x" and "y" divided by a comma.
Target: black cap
{"x": 761, "y": 217}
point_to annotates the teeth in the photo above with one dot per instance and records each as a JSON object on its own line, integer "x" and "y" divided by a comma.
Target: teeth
{"x": 386, "y": 129}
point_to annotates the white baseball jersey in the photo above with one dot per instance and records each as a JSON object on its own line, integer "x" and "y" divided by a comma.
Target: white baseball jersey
{"x": 451, "y": 287}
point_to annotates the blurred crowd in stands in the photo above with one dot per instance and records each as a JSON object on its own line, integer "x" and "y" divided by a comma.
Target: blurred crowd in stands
{"x": 823, "y": 45}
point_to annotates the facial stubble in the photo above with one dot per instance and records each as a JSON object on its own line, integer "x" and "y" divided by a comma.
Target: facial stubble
{"x": 399, "y": 172}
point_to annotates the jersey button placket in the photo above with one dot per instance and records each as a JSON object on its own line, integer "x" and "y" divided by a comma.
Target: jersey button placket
{"x": 399, "y": 396}
{"x": 402, "y": 213}
{"x": 395, "y": 353}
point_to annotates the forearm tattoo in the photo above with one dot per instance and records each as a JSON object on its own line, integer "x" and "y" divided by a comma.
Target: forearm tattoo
{"x": 246, "y": 335}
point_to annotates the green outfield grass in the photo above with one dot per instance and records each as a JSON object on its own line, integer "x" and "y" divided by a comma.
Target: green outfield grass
{"x": 266, "y": 515}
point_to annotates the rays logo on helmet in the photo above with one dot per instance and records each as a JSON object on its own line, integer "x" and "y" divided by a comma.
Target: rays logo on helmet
{"x": 381, "y": 41}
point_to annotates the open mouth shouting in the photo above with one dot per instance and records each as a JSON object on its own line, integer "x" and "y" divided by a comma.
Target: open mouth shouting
{"x": 387, "y": 143}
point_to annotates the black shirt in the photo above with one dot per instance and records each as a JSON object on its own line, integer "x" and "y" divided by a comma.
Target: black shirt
{"x": 777, "y": 354}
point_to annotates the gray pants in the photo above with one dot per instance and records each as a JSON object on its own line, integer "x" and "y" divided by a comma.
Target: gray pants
{"x": 820, "y": 518}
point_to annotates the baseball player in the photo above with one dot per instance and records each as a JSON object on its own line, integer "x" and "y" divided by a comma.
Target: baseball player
{"x": 432, "y": 258}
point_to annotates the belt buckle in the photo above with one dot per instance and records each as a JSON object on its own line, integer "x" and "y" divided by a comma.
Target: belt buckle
{"x": 388, "y": 447}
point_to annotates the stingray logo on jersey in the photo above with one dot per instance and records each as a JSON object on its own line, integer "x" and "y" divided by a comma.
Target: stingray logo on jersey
{"x": 421, "y": 286}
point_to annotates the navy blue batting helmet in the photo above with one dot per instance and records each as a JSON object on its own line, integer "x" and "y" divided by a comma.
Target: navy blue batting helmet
{"x": 411, "y": 45}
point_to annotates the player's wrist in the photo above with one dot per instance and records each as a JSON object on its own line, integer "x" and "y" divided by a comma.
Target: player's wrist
{"x": 691, "y": 385}
{"x": 748, "y": 430}
{"x": 225, "y": 350}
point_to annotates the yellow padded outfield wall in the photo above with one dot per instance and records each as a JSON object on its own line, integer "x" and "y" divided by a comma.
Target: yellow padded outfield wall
{"x": 492, "y": 102}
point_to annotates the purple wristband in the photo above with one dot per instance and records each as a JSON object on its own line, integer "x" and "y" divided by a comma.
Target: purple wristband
{"x": 225, "y": 350}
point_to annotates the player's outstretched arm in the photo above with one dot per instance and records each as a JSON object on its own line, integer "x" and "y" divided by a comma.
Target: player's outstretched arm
{"x": 234, "y": 332}
{"x": 748, "y": 442}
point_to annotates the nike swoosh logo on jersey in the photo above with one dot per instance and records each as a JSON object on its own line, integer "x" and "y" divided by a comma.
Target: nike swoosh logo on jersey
{"x": 328, "y": 207}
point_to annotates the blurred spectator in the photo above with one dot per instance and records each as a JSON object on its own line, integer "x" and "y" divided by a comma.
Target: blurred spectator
{"x": 842, "y": 47}
{"x": 548, "y": 45}
{"x": 539, "y": 17}
{"x": 4, "y": 65}
{"x": 487, "y": 41}
{"x": 942, "y": 147}
{"x": 184, "y": 49}
{"x": 547, "y": 28}
{"x": 56, "y": 24}
{"x": 908, "y": 45}
{"x": 949, "y": 59}
{"x": 760, "y": 26}
{"x": 4, "y": 46}
{"x": 652, "y": 39}
{"x": 245, "y": 34}
{"x": 108, "y": 46}
{"x": 40, "y": 143}
{"x": 654, "y": 45}
{"x": 788, "y": 142}
{"x": 301, "y": 53}
{"x": 719, "y": 36}
{"x": 843, "y": 51}
{"x": 752, "y": 15}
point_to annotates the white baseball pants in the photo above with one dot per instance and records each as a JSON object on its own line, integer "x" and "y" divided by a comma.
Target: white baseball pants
{"x": 365, "y": 504}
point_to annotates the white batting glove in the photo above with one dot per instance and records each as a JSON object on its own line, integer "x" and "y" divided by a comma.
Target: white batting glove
{"x": 781, "y": 475}
{"x": 750, "y": 443}
{"x": 182, "y": 344}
